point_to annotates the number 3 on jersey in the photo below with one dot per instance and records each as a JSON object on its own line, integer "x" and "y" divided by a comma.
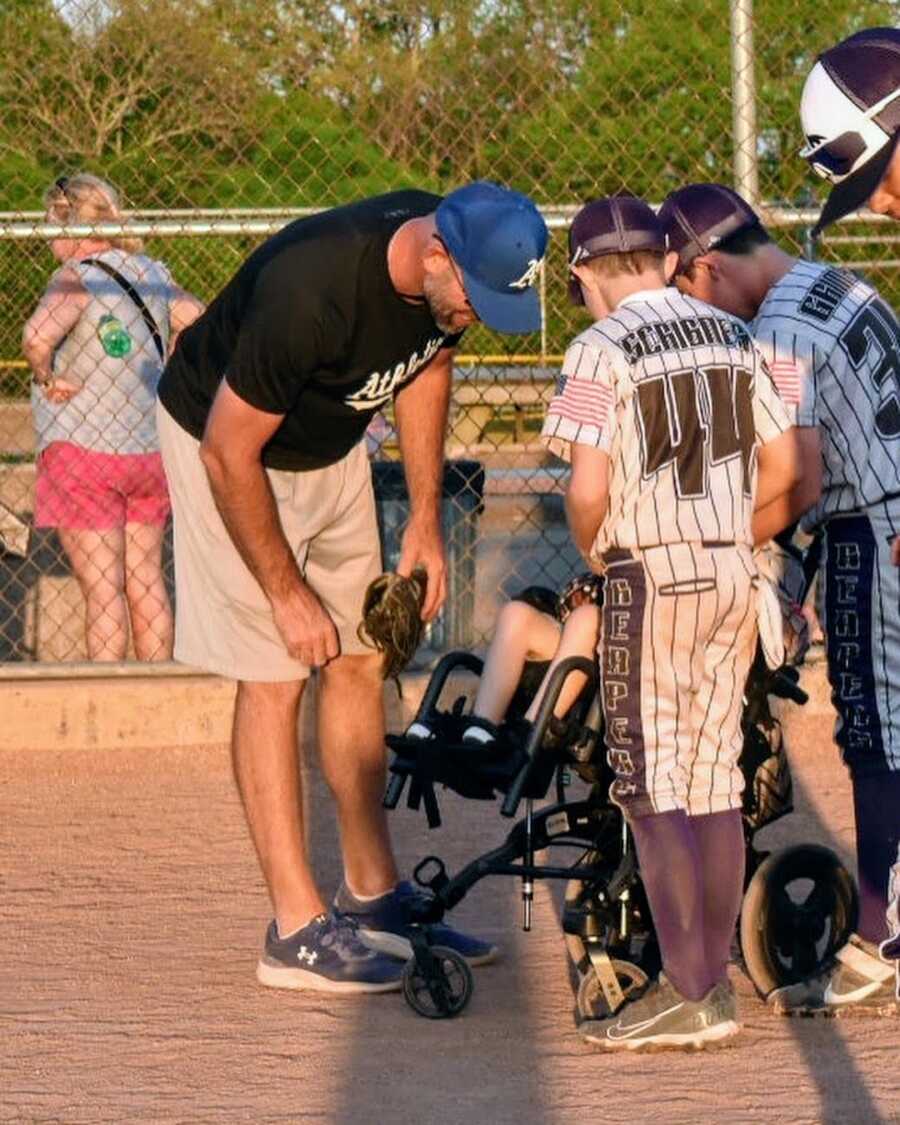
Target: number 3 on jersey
{"x": 696, "y": 418}
{"x": 875, "y": 327}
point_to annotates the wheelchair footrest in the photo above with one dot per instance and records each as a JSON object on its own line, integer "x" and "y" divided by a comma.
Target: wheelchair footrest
{"x": 474, "y": 771}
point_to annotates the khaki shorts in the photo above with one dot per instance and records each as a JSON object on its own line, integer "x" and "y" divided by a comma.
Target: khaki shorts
{"x": 223, "y": 621}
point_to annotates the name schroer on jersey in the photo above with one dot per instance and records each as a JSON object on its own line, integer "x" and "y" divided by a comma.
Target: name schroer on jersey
{"x": 380, "y": 385}
{"x": 682, "y": 334}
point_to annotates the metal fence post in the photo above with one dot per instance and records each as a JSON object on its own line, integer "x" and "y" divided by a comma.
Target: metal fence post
{"x": 743, "y": 94}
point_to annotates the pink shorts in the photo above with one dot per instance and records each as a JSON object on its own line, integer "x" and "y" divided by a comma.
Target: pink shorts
{"x": 80, "y": 489}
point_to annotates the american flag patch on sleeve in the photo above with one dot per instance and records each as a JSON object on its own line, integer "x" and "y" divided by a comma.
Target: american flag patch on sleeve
{"x": 580, "y": 401}
{"x": 786, "y": 377}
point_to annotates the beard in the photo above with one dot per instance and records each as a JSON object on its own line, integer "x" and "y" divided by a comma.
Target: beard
{"x": 441, "y": 307}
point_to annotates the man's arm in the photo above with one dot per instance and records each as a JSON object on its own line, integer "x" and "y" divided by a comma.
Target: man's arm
{"x": 587, "y": 496}
{"x": 231, "y": 452}
{"x": 420, "y": 411}
{"x": 789, "y": 481}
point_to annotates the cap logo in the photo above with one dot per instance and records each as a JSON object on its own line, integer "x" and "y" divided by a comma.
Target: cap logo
{"x": 529, "y": 277}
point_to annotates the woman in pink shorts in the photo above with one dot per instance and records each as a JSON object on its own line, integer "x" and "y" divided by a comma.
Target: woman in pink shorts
{"x": 97, "y": 343}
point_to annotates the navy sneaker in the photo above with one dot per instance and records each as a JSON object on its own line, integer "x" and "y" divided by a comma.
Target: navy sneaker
{"x": 326, "y": 955}
{"x": 384, "y": 924}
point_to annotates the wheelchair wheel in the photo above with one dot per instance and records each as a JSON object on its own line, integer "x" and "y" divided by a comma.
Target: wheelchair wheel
{"x": 590, "y": 1002}
{"x": 799, "y": 909}
{"x": 448, "y": 990}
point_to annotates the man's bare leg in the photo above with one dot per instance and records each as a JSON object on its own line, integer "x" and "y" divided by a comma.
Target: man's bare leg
{"x": 351, "y": 739}
{"x": 351, "y": 744}
{"x": 267, "y": 771}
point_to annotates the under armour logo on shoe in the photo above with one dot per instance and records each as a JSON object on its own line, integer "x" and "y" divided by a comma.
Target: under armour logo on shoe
{"x": 304, "y": 955}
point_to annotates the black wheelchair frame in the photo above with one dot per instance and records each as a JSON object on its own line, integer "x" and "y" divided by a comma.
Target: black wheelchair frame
{"x": 606, "y": 921}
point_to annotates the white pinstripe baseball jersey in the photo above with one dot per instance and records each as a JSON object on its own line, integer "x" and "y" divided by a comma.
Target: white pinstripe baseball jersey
{"x": 833, "y": 346}
{"x": 680, "y": 398}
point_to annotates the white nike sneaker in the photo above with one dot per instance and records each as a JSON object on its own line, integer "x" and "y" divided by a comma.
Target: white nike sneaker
{"x": 857, "y": 979}
{"x": 662, "y": 1017}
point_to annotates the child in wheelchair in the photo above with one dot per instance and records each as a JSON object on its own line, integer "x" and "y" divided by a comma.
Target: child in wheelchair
{"x": 536, "y": 630}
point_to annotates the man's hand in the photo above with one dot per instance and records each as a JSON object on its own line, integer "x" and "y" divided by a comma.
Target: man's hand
{"x": 306, "y": 628}
{"x": 423, "y": 546}
{"x": 895, "y": 551}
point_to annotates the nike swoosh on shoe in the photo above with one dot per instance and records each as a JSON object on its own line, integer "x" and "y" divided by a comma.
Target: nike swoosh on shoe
{"x": 636, "y": 1028}
{"x": 836, "y": 999}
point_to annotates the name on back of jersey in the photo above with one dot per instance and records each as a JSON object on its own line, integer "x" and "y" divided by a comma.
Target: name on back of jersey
{"x": 826, "y": 293}
{"x": 683, "y": 333}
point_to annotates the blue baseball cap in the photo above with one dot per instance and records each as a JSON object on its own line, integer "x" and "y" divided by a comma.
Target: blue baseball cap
{"x": 497, "y": 238}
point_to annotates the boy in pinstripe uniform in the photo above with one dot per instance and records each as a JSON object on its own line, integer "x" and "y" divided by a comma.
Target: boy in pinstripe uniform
{"x": 850, "y": 111}
{"x": 833, "y": 346}
{"x": 676, "y": 436}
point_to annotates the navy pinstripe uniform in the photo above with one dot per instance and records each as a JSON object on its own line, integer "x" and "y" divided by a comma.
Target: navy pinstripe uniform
{"x": 852, "y": 95}
{"x": 834, "y": 349}
{"x": 679, "y": 398}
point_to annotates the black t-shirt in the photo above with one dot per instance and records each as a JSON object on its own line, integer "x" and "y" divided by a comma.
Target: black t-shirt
{"x": 310, "y": 327}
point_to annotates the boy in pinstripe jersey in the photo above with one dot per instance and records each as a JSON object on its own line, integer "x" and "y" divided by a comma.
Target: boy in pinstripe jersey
{"x": 833, "y": 346}
{"x": 850, "y": 111}
{"x": 676, "y": 436}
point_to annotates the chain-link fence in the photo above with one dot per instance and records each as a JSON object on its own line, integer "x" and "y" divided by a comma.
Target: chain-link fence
{"x": 220, "y": 120}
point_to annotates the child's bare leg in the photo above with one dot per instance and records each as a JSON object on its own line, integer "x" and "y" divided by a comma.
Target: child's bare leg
{"x": 522, "y": 633}
{"x": 579, "y": 638}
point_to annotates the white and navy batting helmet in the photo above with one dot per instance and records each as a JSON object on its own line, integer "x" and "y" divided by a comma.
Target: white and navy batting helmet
{"x": 850, "y": 109}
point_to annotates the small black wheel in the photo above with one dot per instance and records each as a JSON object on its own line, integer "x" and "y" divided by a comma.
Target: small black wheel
{"x": 446, "y": 993}
{"x": 591, "y": 1004}
{"x": 800, "y": 907}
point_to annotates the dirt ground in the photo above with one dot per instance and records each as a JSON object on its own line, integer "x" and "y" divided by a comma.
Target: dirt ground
{"x": 132, "y": 913}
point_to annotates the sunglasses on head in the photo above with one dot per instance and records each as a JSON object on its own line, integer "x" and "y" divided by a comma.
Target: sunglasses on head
{"x": 836, "y": 158}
